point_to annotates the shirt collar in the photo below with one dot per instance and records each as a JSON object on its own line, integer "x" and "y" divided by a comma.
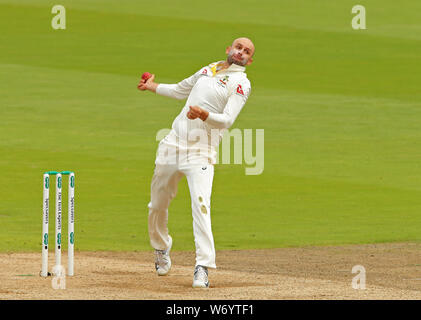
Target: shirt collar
{"x": 235, "y": 67}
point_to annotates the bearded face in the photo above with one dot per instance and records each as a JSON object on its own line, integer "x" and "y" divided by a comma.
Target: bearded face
{"x": 235, "y": 56}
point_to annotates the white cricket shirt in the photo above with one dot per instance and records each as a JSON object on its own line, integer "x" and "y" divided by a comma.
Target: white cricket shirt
{"x": 222, "y": 93}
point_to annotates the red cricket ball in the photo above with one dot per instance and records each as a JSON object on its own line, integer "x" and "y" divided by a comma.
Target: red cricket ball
{"x": 146, "y": 76}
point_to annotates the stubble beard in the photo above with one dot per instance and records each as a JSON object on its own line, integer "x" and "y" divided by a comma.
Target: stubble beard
{"x": 231, "y": 60}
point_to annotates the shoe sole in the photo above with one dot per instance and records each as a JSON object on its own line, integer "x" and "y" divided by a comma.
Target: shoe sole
{"x": 200, "y": 285}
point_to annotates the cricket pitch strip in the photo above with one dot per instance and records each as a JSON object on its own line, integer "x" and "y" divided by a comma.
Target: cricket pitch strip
{"x": 393, "y": 271}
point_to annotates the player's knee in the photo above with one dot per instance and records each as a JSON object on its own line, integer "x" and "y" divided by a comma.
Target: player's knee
{"x": 156, "y": 208}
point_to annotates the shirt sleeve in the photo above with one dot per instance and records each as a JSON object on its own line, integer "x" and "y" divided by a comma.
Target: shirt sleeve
{"x": 232, "y": 109}
{"x": 179, "y": 90}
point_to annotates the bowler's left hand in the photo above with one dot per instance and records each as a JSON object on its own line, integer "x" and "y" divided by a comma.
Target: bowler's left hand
{"x": 197, "y": 112}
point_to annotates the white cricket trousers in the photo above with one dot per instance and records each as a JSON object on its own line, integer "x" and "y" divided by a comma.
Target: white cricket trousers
{"x": 163, "y": 190}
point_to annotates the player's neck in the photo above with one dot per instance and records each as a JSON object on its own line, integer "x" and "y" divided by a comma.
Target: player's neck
{"x": 226, "y": 65}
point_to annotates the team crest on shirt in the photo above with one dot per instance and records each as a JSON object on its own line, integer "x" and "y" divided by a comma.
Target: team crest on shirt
{"x": 223, "y": 82}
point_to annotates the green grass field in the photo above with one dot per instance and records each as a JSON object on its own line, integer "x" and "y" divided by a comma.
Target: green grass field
{"x": 341, "y": 110}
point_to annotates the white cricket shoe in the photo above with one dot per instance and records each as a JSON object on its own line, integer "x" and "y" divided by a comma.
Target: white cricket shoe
{"x": 200, "y": 279}
{"x": 163, "y": 261}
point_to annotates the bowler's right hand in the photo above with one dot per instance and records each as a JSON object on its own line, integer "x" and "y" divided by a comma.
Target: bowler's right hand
{"x": 148, "y": 84}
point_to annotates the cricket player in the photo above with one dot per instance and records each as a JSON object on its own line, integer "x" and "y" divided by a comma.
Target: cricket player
{"x": 215, "y": 96}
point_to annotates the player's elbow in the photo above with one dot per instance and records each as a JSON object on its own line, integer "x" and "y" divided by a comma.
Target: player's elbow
{"x": 228, "y": 123}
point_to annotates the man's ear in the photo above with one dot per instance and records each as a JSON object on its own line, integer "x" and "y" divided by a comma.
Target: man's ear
{"x": 228, "y": 49}
{"x": 249, "y": 62}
